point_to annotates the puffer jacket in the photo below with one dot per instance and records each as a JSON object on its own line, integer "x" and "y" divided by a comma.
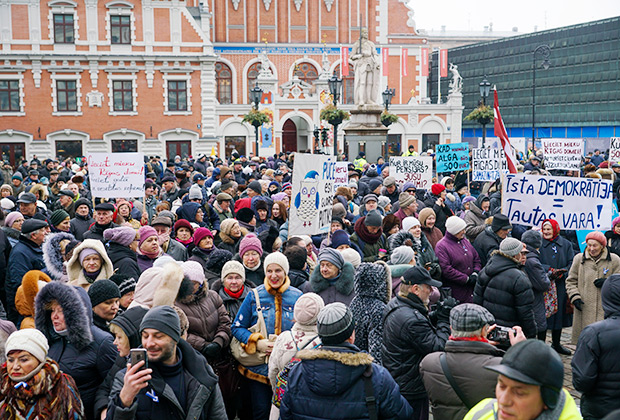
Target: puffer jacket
{"x": 340, "y": 290}
{"x": 25, "y": 256}
{"x": 458, "y": 260}
{"x": 75, "y": 270}
{"x": 408, "y": 336}
{"x": 475, "y": 220}
{"x": 504, "y": 289}
{"x": 335, "y": 374}
{"x": 596, "y": 362}
{"x": 485, "y": 243}
{"x": 540, "y": 284}
{"x": 52, "y": 255}
{"x": 124, "y": 260}
{"x": 80, "y": 225}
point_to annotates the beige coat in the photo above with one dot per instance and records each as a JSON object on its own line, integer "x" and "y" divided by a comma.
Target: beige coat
{"x": 580, "y": 285}
{"x": 74, "y": 268}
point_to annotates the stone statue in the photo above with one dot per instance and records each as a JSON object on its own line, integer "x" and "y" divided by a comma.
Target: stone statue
{"x": 265, "y": 68}
{"x": 367, "y": 66}
{"x": 456, "y": 84}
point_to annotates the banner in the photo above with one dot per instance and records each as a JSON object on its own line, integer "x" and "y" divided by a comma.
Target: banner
{"x": 312, "y": 195}
{"x": 385, "y": 60}
{"x": 562, "y": 153}
{"x": 575, "y": 203}
{"x": 116, "y": 175}
{"x": 424, "y": 62}
{"x": 416, "y": 169}
{"x": 443, "y": 62}
{"x": 488, "y": 164}
{"x": 404, "y": 52}
{"x": 341, "y": 177}
{"x": 452, "y": 157}
{"x": 614, "y": 150}
{"x": 344, "y": 61}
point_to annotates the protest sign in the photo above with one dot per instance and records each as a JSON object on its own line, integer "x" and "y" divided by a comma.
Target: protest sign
{"x": 488, "y": 164}
{"x": 614, "y": 150}
{"x": 341, "y": 178}
{"x": 116, "y": 175}
{"x": 576, "y": 203}
{"x": 581, "y": 234}
{"x": 452, "y": 157}
{"x": 418, "y": 169}
{"x": 312, "y": 195}
{"x": 562, "y": 153}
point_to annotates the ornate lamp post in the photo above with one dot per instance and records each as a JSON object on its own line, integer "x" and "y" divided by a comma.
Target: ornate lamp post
{"x": 388, "y": 94}
{"x": 544, "y": 51}
{"x": 256, "y": 93}
{"x": 485, "y": 87}
{"x": 335, "y": 85}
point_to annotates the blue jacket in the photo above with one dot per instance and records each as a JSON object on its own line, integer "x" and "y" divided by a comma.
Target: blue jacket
{"x": 25, "y": 256}
{"x": 328, "y": 384}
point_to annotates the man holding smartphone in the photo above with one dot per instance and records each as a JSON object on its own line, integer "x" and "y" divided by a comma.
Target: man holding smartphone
{"x": 177, "y": 380}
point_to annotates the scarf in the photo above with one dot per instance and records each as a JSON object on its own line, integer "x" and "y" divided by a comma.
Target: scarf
{"x": 186, "y": 242}
{"x": 151, "y": 255}
{"x": 91, "y": 277}
{"x": 364, "y": 234}
{"x": 235, "y": 295}
{"x": 277, "y": 298}
{"x": 481, "y": 339}
{"x": 254, "y": 268}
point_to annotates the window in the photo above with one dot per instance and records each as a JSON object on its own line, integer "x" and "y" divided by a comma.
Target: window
{"x": 348, "y": 85}
{"x": 121, "y": 146}
{"x": 63, "y": 29}
{"x": 252, "y": 76}
{"x": 9, "y": 96}
{"x": 177, "y": 96}
{"x": 66, "y": 96}
{"x": 223, "y": 81}
{"x": 120, "y": 29}
{"x": 306, "y": 72}
{"x": 122, "y": 92}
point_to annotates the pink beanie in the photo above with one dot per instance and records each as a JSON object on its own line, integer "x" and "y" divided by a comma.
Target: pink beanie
{"x": 193, "y": 271}
{"x": 597, "y": 236}
{"x": 250, "y": 243}
{"x": 12, "y": 218}
{"x": 200, "y": 234}
{"x": 146, "y": 232}
{"x": 613, "y": 223}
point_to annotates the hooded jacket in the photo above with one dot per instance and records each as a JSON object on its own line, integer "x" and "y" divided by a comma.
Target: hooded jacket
{"x": 75, "y": 270}
{"x": 341, "y": 289}
{"x": 32, "y": 282}
{"x": 123, "y": 259}
{"x": 52, "y": 254}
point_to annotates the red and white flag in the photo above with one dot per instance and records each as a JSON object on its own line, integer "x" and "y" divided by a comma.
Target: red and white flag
{"x": 500, "y": 131}
{"x": 424, "y": 62}
{"x": 344, "y": 60}
{"x": 443, "y": 62}
{"x": 404, "y": 53}
{"x": 384, "y": 60}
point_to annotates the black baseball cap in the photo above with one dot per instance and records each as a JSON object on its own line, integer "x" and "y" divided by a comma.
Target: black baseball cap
{"x": 419, "y": 275}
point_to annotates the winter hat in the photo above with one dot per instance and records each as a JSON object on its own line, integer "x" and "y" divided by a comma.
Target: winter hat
{"x": 455, "y": 224}
{"x": 615, "y": 222}
{"x": 277, "y": 258}
{"x": 369, "y": 197}
{"x": 335, "y": 324}
{"x": 129, "y": 322}
{"x": 195, "y": 192}
{"x": 402, "y": 255}
{"x": 7, "y": 204}
{"x": 7, "y": 327}
{"x": 410, "y": 222}
{"x": 469, "y": 317}
{"x": 436, "y": 189}
{"x": 125, "y": 283}
{"x": 250, "y": 243}
{"x": 261, "y": 205}
{"x": 597, "y": 236}
{"x": 511, "y": 247}
{"x": 146, "y": 232}
{"x": 373, "y": 218}
{"x": 307, "y": 308}
{"x": 352, "y": 184}
{"x": 468, "y": 199}
{"x": 408, "y": 186}
{"x": 383, "y": 201}
{"x": 170, "y": 215}
{"x": 86, "y": 252}
{"x": 31, "y": 340}
{"x": 388, "y": 181}
{"x": 245, "y": 215}
{"x": 373, "y": 184}
{"x": 233, "y": 267}
{"x": 256, "y": 187}
{"x": 389, "y": 221}
{"x": 405, "y": 200}
{"x": 351, "y": 256}
{"x": 217, "y": 259}
{"x": 532, "y": 238}
{"x": 500, "y": 222}
{"x": 227, "y": 225}
{"x": 123, "y": 235}
{"x": 331, "y": 255}
{"x": 58, "y": 217}
{"x": 17, "y": 175}
{"x": 340, "y": 237}
{"x": 164, "y": 319}
{"x": 193, "y": 271}
{"x": 102, "y": 290}
{"x": 424, "y": 214}
{"x": 201, "y": 233}
{"x": 12, "y": 218}
{"x": 32, "y": 225}
{"x": 338, "y": 211}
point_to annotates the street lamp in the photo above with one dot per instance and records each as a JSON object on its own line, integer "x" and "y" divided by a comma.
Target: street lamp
{"x": 388, "y": 94}
{"x": 545, "y": 51}
{"x": 256, "y": 93}
{"x": 485, "y": 87}
{"x": 335, "y": 85}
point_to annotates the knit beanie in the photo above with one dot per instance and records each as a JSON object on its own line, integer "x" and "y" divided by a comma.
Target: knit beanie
{"x": 12, "y": 217}
{"x": 511, "y": 247}
{"x": 193, "y": 271}
{"x": 455, "y": 224}
{"x": 227, "y": 225}
{"x": 277, "y": 258}
{"x": 182, "y": 223}
{"x": 256, "y": 187}
{"x": 217, "y": 259}
{"x": 437, "y": 189}
{"x": 125, "y": 283}
{"x": 407, "y": 186}
{"x": 307, "y": 308}
{"x": 129, "y": 321}
{"x": 123, "y": 235}
{"x": 195, "y": 192}
{"x": 613, "y": 222}
{"x": 7, "y": 204}
{"x": 597, "y": 236}
{"x": 424, "y": 214}
{"x": 532, "y": 238}
{"x": 31, "y": 340}
{"x": 410, "y": 222}
{"x": 58, "y": 217}
{"x": 85, "y": 253}
{"x": 102, "y": 290}
{"x": 402, "y": 255}
{"x": 373, "y": 184}
{"x": 335, "y": 324}
{"x": 233, "y": 267}
{"x": 164, "y": 319}
{"x": 340, "y": 237}
{"x": 201, "y": 233}
{"x": 373, "y": 218}
{"x": 250, "y": 243}
{"x": 331, "y": 255}
{"x": 468, "y": 199}
{"x": 146, "y": 232}
{"x": 405, "y": 200}
{"x": 245, "y": 215}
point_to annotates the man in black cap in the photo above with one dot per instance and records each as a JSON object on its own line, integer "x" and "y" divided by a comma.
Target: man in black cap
{"x": 534, "y": 163}
{"x": 26, "y": 255}
{"x": 339, "y": 371}
{"x": 104, "y": 214}
{"x": 489, "y": 239}
{"x": 529, "y": 387}
{"x": 177, "y": 381}
{"x": 65, "y": 202}
{"x": 409, "y": 335}
{"x": 27, "y": 205}
{"x": 33, "y": 177}
{"x": 170, "y": 189}
{"x": 83, "y": 218}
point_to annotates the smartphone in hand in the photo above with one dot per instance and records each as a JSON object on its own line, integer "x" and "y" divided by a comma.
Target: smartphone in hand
{"x": 137, "y": 355}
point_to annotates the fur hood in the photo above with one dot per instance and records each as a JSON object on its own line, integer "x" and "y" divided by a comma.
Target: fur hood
{"x": 158, "y": 286}
{"x": 374, "y": 280}
{"x": 75, "y": 305}
{"x": 400, "y": 238}
{"x": 346, "y": 358}
{"x": 52, "y": 255}
{"x": 32, "y": 282}
{"x": 74, "y": 268}
{"x": 344, "y": 284}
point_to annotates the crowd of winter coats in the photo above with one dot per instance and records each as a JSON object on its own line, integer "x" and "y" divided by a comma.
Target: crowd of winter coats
{"x": 197, "y": 241}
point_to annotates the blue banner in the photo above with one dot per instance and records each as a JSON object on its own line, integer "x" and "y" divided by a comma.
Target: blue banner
{"x": 452, "y": 157}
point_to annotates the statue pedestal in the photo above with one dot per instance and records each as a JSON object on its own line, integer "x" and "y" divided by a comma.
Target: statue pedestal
{"x": 366, "y": 128}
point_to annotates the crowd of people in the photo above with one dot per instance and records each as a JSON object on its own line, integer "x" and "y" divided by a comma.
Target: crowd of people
{"x": 416, "y": 301}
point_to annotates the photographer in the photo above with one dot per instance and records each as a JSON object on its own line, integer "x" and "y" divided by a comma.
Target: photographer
{"x": 467, "y": 352}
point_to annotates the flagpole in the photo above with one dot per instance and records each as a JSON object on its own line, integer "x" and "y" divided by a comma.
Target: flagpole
{"x": 438, "y": 76}
{"x": 400, "y": 86}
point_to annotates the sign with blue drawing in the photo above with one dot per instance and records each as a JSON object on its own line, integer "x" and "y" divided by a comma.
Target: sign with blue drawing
{"x": 452, "y": 157}
{"x": 266, "y": 136}
{"x": 575, "y": 203}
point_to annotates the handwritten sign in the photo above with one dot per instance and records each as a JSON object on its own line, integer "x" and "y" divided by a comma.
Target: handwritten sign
{"x": 614, "y": 150}
{"x": 418, "y": 169}
{"x": 452, "y": 157}
{"x": 116, "y": 175}
{"x": 576, "y": 203}
{"x": 341, "y": 178}
{"x": 488, "y": 164}
{"x": 562, "y": 153}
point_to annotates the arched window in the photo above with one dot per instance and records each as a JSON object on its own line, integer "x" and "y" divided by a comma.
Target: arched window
{"x": 223, "y": 81}
{"x": 348, "y": 85}
{"x": 306, "y": 72}
{"x": 252, "y": 76}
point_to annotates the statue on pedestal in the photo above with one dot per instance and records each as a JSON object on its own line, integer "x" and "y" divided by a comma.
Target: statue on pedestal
{"x": 367, "y": 67}
{"x": 456, "y": 84}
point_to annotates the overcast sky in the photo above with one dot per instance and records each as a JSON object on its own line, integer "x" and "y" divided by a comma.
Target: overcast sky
{"x": 525, "y": 14}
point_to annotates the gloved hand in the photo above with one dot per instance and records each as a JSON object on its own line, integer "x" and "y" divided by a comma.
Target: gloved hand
{"x": 578, "y": 303}
{"x": 211, "y": 350}
{"x": 472, "y": 279}
{"x": 444, "y": 308}
{"x": 599, "y": 282}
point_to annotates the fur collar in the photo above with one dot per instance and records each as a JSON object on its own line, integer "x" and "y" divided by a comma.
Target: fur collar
{"x": 344, "y": 284}
{"x": 280, "y": 290}
{"x": 345, "y": 357}
{"x": 52, "y": 254}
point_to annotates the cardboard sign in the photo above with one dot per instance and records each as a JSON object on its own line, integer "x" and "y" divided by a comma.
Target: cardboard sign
{"x": 116, "y": 175}
{"x": 416, "y": 169}
{"x": 341, "y": 178}
{"x": 452, "y": 157}
{"x": 488, "y": 164}
{"x": 614, "y": 150}
{"x": 562, "y": 153}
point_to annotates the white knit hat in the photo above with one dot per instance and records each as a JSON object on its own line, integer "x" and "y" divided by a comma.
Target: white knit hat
{"x": 455, "y": 224}
{"x": 307, "y": 308}
{"x": 193, "y": 271}
{"x": 233, "y": 267}
{"x": 409, "y": 222}
{"x": 352, "y": 256}
{"x": 31, "y": 340}
{"x": 277, "y": 258}
{"x": 402, "y": 255}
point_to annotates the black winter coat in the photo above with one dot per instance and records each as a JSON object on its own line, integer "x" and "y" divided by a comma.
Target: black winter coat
{"x": 504, "y": 289}
{"x": 96, "y": 231}
{"x": 298, "y": 278}
{"x": 80, "y": 225}
{"x": 124, "y": 260}
{"x": 540, "y": 284}
{"x": 486, "y": 243}
{"x": 408, "y": 336}
{"x": 441, "y": 212}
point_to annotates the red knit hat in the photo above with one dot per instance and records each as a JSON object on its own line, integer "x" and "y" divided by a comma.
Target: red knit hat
{"x": 250, "y": 243}
{"x": 183, "y": 223}
{"x": 597, "y": 236}
{"x": 201, "y": 233}
{"x": 436, "y": 189}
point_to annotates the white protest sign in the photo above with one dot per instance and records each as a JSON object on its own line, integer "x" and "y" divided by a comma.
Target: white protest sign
{"x": 313, "y": 193}
{"x": 488, "y": 164}
{"x": 519, "y": 144}
{"x": 416, "y": 169}
{"x": 614, "y": 150}
{"x": 575, "y": 203}
{"x": 341, "y": 178}
{"x": 116, "y": 175}
{"x": 562, "y": 153}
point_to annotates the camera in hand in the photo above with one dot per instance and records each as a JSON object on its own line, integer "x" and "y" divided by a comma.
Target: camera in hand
{"x": 500, "y": 334}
